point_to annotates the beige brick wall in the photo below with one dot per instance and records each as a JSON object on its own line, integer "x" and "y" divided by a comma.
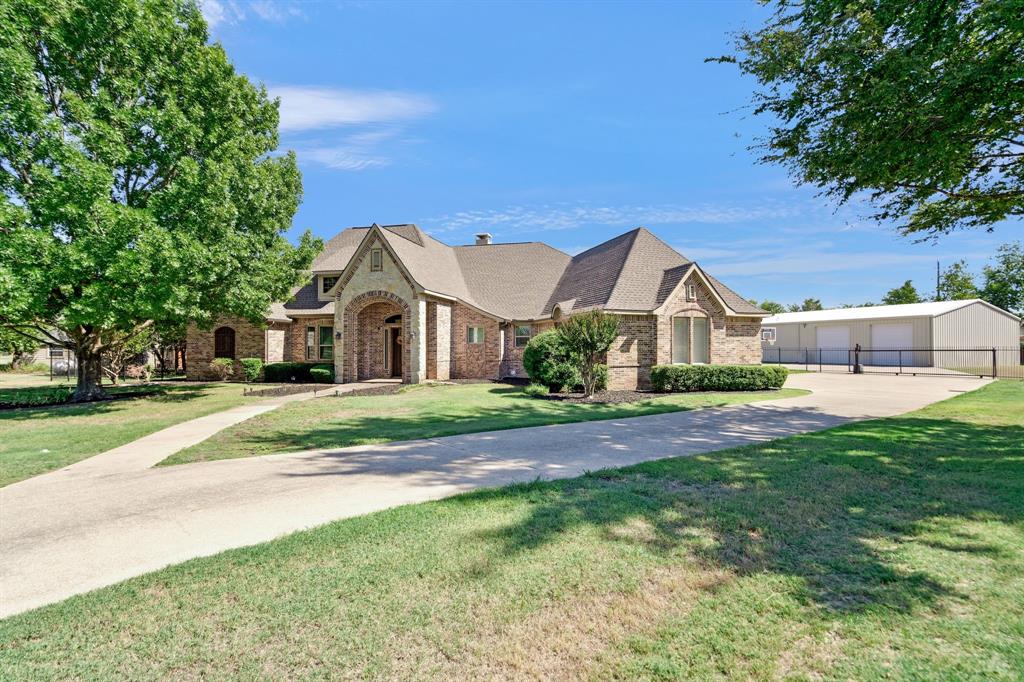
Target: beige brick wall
{"x": 478, "y": 360}
{"x": 630, "y": 358}
{"x": 439, "y": 341}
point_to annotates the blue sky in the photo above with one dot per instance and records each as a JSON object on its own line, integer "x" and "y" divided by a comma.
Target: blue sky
{"x": 567, "y": 123}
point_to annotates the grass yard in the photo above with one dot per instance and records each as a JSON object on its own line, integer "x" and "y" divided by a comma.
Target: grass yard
{"x": 37, "y": 440}
{"x": 426, "y": 411}
{"x": 891, "y": 548}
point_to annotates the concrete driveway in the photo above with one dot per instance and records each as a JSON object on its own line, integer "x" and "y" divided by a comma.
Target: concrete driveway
{"x": 84, "y": 527}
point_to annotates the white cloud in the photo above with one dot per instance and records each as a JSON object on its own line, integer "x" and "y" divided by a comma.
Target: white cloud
{"x": 317, "y": 108}
{"x": 275, "y": 10}
{"x": 812, "y": 261}
{"x": 355, "y": 152}
{"x": 219, "y": 12}
{"x": 567, "y": 217}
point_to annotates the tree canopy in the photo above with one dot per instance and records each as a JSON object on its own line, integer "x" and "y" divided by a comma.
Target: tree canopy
{"x": 808, "y": 304}
{"x": 902, "y": 294}
{"x": 139, "y": 175}
{"x": 915, "y": 105}
{"x": 956, "y": 283}
{"x": 1004, "y": 281}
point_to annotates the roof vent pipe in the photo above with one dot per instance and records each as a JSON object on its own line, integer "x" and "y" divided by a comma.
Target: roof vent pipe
{"x": 483, "y": 238}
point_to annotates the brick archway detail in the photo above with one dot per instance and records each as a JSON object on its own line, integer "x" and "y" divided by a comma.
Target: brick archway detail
{"x": 350, "y": 332}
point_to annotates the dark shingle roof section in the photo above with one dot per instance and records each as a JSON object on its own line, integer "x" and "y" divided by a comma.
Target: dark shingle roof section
{"x": 591, "y": 276}
{"x": 514, "y": 278}
{"x": 304, "y": 301}
{"x": 635, "y": 271}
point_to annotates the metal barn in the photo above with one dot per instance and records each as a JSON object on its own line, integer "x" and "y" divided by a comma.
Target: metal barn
{"x": 949, "y": 334}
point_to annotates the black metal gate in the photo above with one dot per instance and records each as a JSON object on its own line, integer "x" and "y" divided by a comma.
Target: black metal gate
{"x": 1001, "y": 363}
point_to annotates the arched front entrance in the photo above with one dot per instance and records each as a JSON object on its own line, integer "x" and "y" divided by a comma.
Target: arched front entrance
{"x": 376, "y": 338}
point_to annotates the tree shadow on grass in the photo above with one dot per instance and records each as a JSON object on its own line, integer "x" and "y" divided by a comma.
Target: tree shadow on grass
{"x": 154, "y": 392}
{"x": 830, "y": 508}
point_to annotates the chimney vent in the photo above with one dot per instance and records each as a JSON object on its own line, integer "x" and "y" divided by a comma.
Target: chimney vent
{"x": 483, "y": 238}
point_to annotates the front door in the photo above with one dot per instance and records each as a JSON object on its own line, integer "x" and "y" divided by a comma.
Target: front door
{"x": 396, "y": 351}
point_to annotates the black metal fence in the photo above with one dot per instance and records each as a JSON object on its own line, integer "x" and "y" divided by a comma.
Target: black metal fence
{"x": 1001, "y": 363}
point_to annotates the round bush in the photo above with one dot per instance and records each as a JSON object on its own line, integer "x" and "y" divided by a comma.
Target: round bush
{"x": 546, "y": 364}
{"x": 251, "y": 368}
{"x": 319, "y": 375}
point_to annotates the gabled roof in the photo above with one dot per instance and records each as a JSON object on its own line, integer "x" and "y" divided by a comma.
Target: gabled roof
{"x": 875, "y": 312}
{"x": 635, "y": 271}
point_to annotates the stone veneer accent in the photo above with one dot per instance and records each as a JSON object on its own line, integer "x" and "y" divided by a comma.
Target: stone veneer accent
{"x": 439, "y": 340}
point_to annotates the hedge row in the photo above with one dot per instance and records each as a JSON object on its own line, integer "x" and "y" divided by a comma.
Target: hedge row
{"x": 685, "y": 378}
{"x": 298, "y": 372}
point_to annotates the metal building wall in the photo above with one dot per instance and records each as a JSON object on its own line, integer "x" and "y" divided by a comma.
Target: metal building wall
{"x": 977, "y": 326}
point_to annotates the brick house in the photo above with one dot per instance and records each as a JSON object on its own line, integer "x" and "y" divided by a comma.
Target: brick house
{"x": 393, "y": 301}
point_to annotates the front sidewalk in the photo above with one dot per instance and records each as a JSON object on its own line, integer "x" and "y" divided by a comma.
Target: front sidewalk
{"x": 65, "y": 534}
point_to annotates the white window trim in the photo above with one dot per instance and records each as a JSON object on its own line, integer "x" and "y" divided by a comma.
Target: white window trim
{"x": 311, "y": 348}
{"x": 516, "y": 336}
{"x": 320, "y": 346}
{"x": 691, "y": 292}
{"x": 476, "y": 341}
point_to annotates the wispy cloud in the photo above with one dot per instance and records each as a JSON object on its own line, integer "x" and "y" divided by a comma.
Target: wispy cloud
{"x": 568, "y": 217}
{"x": 318, "y": 108}
{"x": 220, "y": 12}
{"x": 355, "y": 152}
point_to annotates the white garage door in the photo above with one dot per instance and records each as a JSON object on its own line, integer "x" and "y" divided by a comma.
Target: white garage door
{"x": 886, "y": 342}
{"x": 834, "y": 343}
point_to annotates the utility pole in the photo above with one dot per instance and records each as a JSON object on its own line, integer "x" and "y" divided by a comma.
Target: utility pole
{"x": 938, "y": 279}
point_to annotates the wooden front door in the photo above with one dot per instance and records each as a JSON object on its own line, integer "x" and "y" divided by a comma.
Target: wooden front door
{"x": 396, "y": 351}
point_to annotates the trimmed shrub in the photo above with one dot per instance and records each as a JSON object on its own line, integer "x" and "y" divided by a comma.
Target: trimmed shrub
{"x": 251, "y": 368}
{"x": 319, "y": 375}
{"x": 535, "y": 390}
{"x": 545, "y": 362}
{"x": 296, "y": 372}
{"x": 36, "y": 397}
{"x": 222, "y": 368}
{"x": 685, "y": 378}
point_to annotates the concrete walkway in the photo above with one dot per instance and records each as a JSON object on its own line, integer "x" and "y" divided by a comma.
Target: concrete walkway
{"x": 85, "y": 527}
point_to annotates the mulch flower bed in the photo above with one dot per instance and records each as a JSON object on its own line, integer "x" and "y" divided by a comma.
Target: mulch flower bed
{"x": 603, "y": 397}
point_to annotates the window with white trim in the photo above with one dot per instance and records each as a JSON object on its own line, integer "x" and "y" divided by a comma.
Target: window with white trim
{"x": 522, "y": 335}
{"x": 311, "y": 343}
{"x": 326, "y": 345}
{"x": 376, "y": 260}
{"x": 474, "y": 334}
{"x": 328, "y": 282}
{"x": 691, "y": 292}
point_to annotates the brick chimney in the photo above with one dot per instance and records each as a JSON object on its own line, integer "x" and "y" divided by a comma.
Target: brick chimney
{"x": 483, "y": 238}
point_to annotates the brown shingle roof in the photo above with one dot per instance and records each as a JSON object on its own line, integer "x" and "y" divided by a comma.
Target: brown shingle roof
{"x": 634, "y": 271}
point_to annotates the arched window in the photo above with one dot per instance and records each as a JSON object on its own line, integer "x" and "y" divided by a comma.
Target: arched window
{"x": 394, "y": 319}
{"x": 224, "y": 343}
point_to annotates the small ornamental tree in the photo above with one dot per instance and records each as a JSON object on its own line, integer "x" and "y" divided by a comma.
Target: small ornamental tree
{"x": 139, "y": 178}
{"x": 586, "y": 338}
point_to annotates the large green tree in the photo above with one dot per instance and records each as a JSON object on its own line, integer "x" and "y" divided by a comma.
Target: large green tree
{"x": 916, "y": 105}
{"x": 1004, "y": 281}
{"x": 902, "y": 294}
{"x": 139, "y": 176}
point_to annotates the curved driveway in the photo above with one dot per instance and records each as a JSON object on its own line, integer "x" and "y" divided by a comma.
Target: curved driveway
{"x": 86, "y": 526}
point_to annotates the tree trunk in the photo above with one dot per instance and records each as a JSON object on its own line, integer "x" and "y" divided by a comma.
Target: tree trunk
{"x": 90, "y": 376}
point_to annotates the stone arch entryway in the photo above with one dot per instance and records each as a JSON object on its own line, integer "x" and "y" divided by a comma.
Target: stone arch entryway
{"x": 376, "y": 337}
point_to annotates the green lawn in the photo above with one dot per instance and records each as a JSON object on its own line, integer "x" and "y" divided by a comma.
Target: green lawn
{"x": 892, "y": 548}
{"x": 37, "y": 440}
{"x": 426, "y": 411}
